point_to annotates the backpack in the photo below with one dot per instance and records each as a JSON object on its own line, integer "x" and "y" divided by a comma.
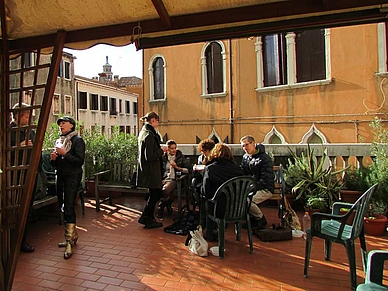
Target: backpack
{"x": 183, "y": 224}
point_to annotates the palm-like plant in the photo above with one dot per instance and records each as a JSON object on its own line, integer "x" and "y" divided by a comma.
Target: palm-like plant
{"x": 312, "y": 180}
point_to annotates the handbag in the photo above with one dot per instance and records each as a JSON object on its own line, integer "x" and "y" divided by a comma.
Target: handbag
{"x": 196, "y": 243}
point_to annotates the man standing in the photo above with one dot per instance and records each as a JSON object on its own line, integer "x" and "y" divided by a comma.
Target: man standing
{"x": 20, "y": 119}
{"x": 258, "y": 164}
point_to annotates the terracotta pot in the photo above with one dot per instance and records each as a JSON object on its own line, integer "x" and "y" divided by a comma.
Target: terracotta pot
{"x": 375, "y": 226}
{"x": 349, "y": 196}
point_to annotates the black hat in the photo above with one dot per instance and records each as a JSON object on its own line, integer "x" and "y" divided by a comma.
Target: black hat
{"x": 66, "y": 118}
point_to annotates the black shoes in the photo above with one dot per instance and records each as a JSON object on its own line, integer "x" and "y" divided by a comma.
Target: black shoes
{"x": 142, "y": 219}
{"x": 153, "y": 224}
{"x": 256, "y": 223}
{"x": 149, "y": 222}
{"x": 26, "y": 248}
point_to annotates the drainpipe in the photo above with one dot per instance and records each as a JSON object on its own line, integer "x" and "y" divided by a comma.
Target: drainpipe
{"x": 231, "y": 115}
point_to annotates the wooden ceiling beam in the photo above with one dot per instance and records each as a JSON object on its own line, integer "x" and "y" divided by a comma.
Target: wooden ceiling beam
{"x": 205, "y": 20}
{"x": 162, "y": 11}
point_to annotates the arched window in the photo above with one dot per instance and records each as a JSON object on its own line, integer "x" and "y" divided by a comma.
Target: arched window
{"x": 213, "y": 68}
{"x": 274, "y": 137}
{"x": 157, "y": 74}
{"x": 314, "y": 136}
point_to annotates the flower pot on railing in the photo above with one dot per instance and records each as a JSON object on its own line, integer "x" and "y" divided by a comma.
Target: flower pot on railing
{"x": 375, "y": 225}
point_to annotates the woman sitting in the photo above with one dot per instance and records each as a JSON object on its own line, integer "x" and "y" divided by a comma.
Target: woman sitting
{"x": 218, "y": 170}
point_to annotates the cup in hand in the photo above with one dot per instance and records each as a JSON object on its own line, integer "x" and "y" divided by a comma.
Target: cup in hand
{"x": 58, "y": 144}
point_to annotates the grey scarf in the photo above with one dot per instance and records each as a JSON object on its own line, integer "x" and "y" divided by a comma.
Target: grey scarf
{"x": 66, "y": 140}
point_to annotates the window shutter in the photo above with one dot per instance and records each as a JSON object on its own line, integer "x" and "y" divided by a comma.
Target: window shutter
{"x": 310, "y": 55}
{"x": 214, "y": 68}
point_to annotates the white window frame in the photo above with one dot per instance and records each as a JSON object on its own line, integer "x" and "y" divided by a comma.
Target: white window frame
{"x": 64, "y": 70}
{"x": 382, "y": 49}
{"x": 151, "y": 78}
{"x": 58, "y": 98}
{"x": 204, "y": 71}
{"x": 291, "y": 65}
{"x": 67, "y": 111}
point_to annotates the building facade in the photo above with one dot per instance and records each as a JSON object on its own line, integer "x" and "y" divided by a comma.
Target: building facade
{"x": 106, "y": 106}
{"x": 316, "y": 86}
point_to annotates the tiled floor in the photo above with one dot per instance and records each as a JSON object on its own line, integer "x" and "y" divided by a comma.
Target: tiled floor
{"x": 114, "y": 252}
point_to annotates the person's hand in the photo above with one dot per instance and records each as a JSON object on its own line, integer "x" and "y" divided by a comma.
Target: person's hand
{"x": 26, "y": 143}
{"x": 60, "y": 151}
{"x": 164, "y": 148}
{"x": 53, "y": 156}
{"x": 173, "y": 164}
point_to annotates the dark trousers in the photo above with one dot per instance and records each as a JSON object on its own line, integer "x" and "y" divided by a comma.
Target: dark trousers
{"x": 153, "y": 198}
{"x": 67, "y": 189}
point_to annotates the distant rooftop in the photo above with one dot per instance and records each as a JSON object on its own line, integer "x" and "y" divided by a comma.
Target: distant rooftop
{"x": 130, "y": 81}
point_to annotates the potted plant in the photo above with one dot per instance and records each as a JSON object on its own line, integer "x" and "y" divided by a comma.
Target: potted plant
{"x": 355, "y": 183}
{"x": 378, "y": 174}
{"x": 312, "y": 181}
{"x": 375, "y": 222}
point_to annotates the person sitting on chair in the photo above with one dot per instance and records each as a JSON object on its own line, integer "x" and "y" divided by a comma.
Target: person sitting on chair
{"x": 204, "y": 147}
{"x": 218, "y": 170}
{"x": 174, "y": 164}
{"x": 258, "y": 164}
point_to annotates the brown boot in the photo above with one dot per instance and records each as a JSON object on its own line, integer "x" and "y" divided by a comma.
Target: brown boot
{"x": 71, "y": 238}
{"x": 63, "y": 244}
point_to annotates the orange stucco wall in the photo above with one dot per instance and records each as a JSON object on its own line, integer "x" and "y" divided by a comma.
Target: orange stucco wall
{"x": 341, "y": 110}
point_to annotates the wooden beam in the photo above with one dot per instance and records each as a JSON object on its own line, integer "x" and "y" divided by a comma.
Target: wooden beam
{"x": 36, "y": 152}
{"x": 262, "y": 14}
{"x": 4, "y": 255}
{"x": 162, "y": 11}
{"x": 262, "y": 28}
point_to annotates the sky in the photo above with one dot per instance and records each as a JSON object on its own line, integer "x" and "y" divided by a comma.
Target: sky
{"x": 125, "y": 61}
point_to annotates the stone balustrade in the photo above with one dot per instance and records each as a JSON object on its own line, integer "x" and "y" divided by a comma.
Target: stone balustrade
{"x": 339, "y": 154}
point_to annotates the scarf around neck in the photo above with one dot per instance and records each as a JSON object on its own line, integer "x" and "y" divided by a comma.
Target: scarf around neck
{"x": 65, "y": 140}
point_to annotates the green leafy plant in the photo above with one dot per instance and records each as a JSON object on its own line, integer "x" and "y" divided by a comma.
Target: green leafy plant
{"x": 356, "y": 179}
{"x": 103, "y": 151}
{"x": 312, "y": 181}
{"x": 379, "y": 167}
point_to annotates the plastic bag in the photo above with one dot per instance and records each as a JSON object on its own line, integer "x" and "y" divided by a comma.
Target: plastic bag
{"x": 197, "y": 244}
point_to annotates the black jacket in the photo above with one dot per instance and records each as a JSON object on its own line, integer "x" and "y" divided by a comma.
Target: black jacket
{"x": 180, "y": 160}
{"x": 260, "y": 167}
{"x": 22, "y": 137}
{"x": 71, "y": 163}
{"x": 150, "y": 165}
{"x": 217, "y": 172}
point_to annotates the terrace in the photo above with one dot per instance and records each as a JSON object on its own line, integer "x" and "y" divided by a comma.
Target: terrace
{"x": 114, "y": 252}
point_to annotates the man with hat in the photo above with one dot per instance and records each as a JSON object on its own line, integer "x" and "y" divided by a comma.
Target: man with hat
{"x": 68, "y": 157}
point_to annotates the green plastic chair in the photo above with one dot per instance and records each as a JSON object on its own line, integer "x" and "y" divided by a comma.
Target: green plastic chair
{"x": 342, "y": 229}
{"x": 236, "y": 195}
{"x": 374, "y": 273}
